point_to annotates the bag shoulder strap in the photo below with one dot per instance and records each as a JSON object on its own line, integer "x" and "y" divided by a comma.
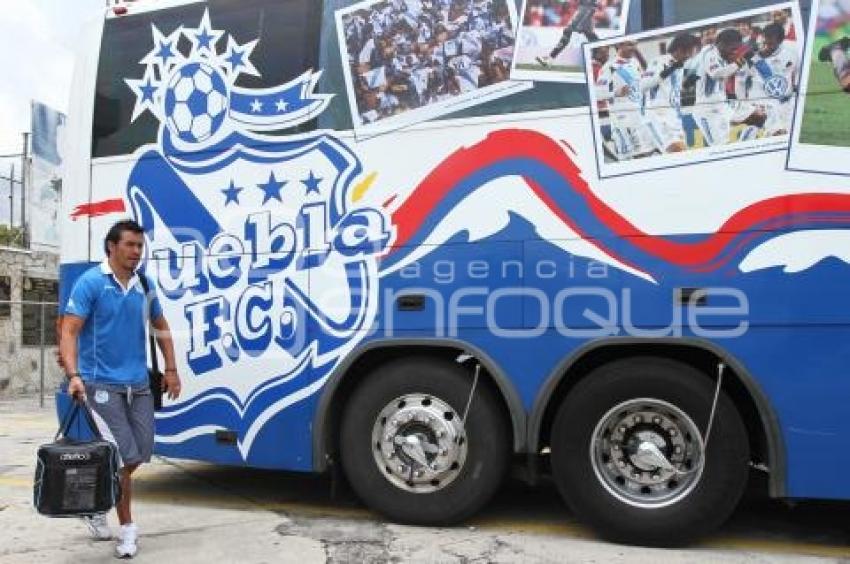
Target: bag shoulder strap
{"x": 143, "y": 279}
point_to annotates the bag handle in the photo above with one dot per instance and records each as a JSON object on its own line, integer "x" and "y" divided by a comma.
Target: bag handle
{"x": 72, "y": 414}
{"x": 143, "y": 280}
{"x": 155, "y": 376}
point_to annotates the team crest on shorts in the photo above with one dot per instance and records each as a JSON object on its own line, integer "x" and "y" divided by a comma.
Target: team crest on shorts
{"x": 262, "y": 256}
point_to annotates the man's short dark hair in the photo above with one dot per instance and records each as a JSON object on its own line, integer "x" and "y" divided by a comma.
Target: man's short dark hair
{"x": 682, "y": 41}
{"x": 775, "y": 31}
{"x": 729, "y": 37}
{"x": 114, "y": 234}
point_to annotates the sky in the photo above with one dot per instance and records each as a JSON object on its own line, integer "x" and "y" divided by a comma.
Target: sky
{"x": 37, "y": 39}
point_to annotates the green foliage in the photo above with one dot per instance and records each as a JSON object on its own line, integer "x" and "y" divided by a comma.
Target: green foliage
{"x": 11, "y": 236}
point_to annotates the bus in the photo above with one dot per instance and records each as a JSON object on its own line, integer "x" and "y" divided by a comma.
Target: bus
{"x": 381, "y": 253}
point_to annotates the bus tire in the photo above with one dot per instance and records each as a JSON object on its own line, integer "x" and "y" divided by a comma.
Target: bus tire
{"x": 613, "y": 485}
{"x": 412, "y": 408}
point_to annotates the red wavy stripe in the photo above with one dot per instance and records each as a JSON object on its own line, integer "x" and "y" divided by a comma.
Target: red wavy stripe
{"x": 94, "y": 209}
{"x": 512, "y": 144}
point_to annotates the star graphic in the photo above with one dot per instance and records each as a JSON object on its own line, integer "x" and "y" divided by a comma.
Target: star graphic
{"x": 312, "y": 183}
{"x": 237, "y": 58}
{"x": 147, "y": 89}
{"x": 165, "y": 52}
{"x": 256, "y": 106}
{"x": 231, "y": 194}
{"x": 271, "y": 189}
{"x": 204, "y": 37}
{"x": 164, "y": 55}
{"x": 281, "y": 105}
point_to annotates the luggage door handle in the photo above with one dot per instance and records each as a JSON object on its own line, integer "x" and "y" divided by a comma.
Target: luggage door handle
{"x": 696, "y": 297}
{"x": 411, "y": 302}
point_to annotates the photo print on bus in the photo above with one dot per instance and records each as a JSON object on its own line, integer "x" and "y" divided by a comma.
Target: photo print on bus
{"x": 408, "y": 62}
{"x": 820, "y": 142}
{"x": 709, "y": 90}
{"x": 552, "y": 32}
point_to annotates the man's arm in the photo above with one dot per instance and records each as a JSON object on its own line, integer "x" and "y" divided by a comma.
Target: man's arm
{"x": 795, "y": 74}
{"x": 719, "y": 69}
{"x": 71, "y": 327}
{"x": 641, "y": 59}
{"x": 653, "y": 76}
{"x": 171, "y": 380}
{"x": 603, "y": 86}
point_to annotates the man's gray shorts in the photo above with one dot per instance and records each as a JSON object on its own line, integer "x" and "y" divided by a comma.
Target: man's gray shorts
{"x": 124, "y": 416}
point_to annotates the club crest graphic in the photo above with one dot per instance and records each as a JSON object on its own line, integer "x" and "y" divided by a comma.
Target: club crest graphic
{"x": 266, "y": 267}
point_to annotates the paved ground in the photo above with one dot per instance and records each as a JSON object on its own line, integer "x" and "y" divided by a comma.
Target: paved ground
{"x": 190, "y": 512}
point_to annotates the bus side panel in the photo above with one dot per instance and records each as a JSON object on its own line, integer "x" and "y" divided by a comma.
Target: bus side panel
{"x": 490, "y": 221}
{"x": 803, "y": 371}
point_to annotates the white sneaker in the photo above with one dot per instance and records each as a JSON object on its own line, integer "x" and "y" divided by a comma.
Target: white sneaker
{"x": 98, "y": 527}
{"x": 127, "y": 548}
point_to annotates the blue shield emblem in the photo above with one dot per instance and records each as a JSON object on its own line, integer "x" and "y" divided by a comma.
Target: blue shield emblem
{"x": 267, "y": 266}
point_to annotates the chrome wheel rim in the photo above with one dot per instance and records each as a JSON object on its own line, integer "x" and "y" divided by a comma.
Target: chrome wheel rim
{"x": 647, "y": 453}
{"x": 418, "y": 443}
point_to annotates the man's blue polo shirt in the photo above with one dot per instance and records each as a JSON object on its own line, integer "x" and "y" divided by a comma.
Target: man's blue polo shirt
{"x": 112, "y": 345}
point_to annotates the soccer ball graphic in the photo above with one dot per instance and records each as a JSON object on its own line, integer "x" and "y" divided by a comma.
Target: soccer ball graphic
{"x": 195, "y": 102}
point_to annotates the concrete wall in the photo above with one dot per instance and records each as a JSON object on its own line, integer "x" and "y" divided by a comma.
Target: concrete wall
{"x": 20, "y": 365}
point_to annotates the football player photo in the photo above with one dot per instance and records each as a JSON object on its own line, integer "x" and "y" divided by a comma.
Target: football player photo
{"x": 552, "y": 32}
{"x": 406, "y": 62}
{"x": 703, "y": 91}
{"x": 820, "y": 142}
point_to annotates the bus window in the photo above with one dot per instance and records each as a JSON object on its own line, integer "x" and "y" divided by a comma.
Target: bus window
{"x": 692, "y": 10}
{"x": 337, "y": 115}
{"x": 289, "y": 27}
{"x": 544, "y": 96}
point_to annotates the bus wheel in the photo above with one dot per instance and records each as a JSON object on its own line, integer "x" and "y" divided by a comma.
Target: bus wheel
{"x": 407, "y": 451}
{"x": 629, "y": 453}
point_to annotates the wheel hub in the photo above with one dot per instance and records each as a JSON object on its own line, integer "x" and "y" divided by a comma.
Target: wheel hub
{"x": 419, "y": 443}
{"x": 647, "y": 453}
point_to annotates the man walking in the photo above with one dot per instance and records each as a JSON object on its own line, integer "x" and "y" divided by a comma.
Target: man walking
{"x": 103, "y": 350}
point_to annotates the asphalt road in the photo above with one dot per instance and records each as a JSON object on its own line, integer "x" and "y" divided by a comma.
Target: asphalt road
{"x": 191, "y": 512}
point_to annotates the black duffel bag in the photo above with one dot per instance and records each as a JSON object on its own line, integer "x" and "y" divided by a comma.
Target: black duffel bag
{"x": 75, "y": 478}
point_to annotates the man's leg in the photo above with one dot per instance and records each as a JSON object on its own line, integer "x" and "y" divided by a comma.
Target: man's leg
{"x": 126, "y": 547}
{"x": 566, "y": 36}
{"x": 140, "y": 418}
{"x": 125, "y": 516}
{"x": 836, "y": 52}
{"x": 778, "y": 117}
{"x": 665, "y": 138}
{"x": 590, "y": 34}
{"x": 715, "y": 126}
{"x": 623, "y": 141}
{"x": 112, "y": 412}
